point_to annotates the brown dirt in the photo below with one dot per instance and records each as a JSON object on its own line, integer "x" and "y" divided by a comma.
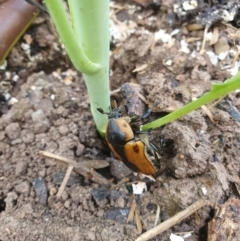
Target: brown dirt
{"x": 52, "y": 114}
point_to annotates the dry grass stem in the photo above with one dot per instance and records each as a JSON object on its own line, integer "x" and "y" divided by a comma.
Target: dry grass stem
{"x": 171, "y": 221}
{"x": 65, "y": 180}
{"x": 80, "y": 167}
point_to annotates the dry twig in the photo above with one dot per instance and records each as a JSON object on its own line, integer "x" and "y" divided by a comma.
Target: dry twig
{"x": 171, "y": 221}
{"x": 84, "y": 168}
{"x": 64, "y": 182}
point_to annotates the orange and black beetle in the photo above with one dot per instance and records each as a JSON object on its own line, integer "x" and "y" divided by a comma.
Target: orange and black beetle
{"x": 135, "y": 152}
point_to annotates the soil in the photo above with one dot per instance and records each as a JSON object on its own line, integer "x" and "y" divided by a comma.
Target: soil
{"x": 45, "y": 106}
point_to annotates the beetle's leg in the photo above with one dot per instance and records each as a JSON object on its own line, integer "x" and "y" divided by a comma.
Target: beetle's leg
{"x": 146, "y": 113}
{"x": 103, "y": 112}
{"x": 37, "y": 5}
{"x": 112, "y": 114}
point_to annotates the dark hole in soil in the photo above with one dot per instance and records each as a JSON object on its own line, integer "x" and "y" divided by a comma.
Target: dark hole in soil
{"x": 203, "y": 232}
{"x": 178, "y": 97}
{"x": 169, "y": 148}
{"x": 151, "y": 206}
{"x": 197, "y": 145}
{"x": 105, "y": 172}
{"x": 2, "y": 205}
{"x": 208, "y": 121}
{"x": 35, "y": 48}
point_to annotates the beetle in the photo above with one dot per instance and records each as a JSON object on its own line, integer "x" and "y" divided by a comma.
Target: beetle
{"x": 135, "y": 151}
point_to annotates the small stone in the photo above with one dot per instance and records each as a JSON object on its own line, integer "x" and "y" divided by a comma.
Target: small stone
{"x": 22, "y": 215}
{"x": 91, "y": 235}
{"x": 102, "y": 203}
{"x": 67, "y": 204}
{"x": 21, "y": 168}
{"x": 63, "y": 130}
{"x": 23, "y": 187}
{"x": 53, "y": 191}
{"x": 40, "y": 189}
{"x": 42, "y": 172}
{"x": 80, "y": 149}
{"x": 2, "y": 135}
{"x": 38, "y": 116}
{"x": 27, "y": 137}
{"x": 27, "y": 208}
{"x": 117, "y": 214}
{"x": 60, "y": 110}
{"x": 46, "y": 106}
{"x": 13, "y": 131}
{"x": 16, "y": 141}
{"x": 221, "y": 46}
{"x": 59, "y": 176}
{"x": 73, "y": 127}
{"x": 118, "y": 169}
{"x": 100, "y": 193}
{"x": 42, "y": 127}
{"x": 100, "y": 213}
{"x": 10, "y": 200}
{"x": 120, "y": 202}
{"x": 115, "y": 195}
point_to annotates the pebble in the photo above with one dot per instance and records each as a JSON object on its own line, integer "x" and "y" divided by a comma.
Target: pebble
{"x": 91, "y": 235}
{"x": 42, "y": 127}
{"x": 232, "y": 110}
{"x": 38, "y": 116}
{"x": 117, "y": 214}
{"x": 27, "y": 137}
{"x": 42, "y": 172}
{"x": 2, "y": 135}
{"x": 67, "y": 204}
{"x": 27, "y": 208}
{"x": 23, "y": 187}
{"x": 221, "y": 46}
{"x": 100, "y": 193}
{"x": 10, "y": 200}
{"x": 16, "y": 141}
{"x": 40, "y": 189}
{"x": 13, "y": 131}
{"x": 53, "y": 191}
{"x": 20, "y": 168}
{"x": 118, "y": 169}
{"x": 120, "y": 202}
{"x": 63, "y": 130}
{"x": 100, "y": 213}
{"x": 59, "y": 176}
{"x": 115, "y": 195}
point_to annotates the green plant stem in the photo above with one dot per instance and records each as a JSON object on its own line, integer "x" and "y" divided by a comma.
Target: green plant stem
{"x": 64, "y": 27}
{"x": 91, "y": 26}
{"x": 217, "y": 91}
{"x": 86, "y": 40}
